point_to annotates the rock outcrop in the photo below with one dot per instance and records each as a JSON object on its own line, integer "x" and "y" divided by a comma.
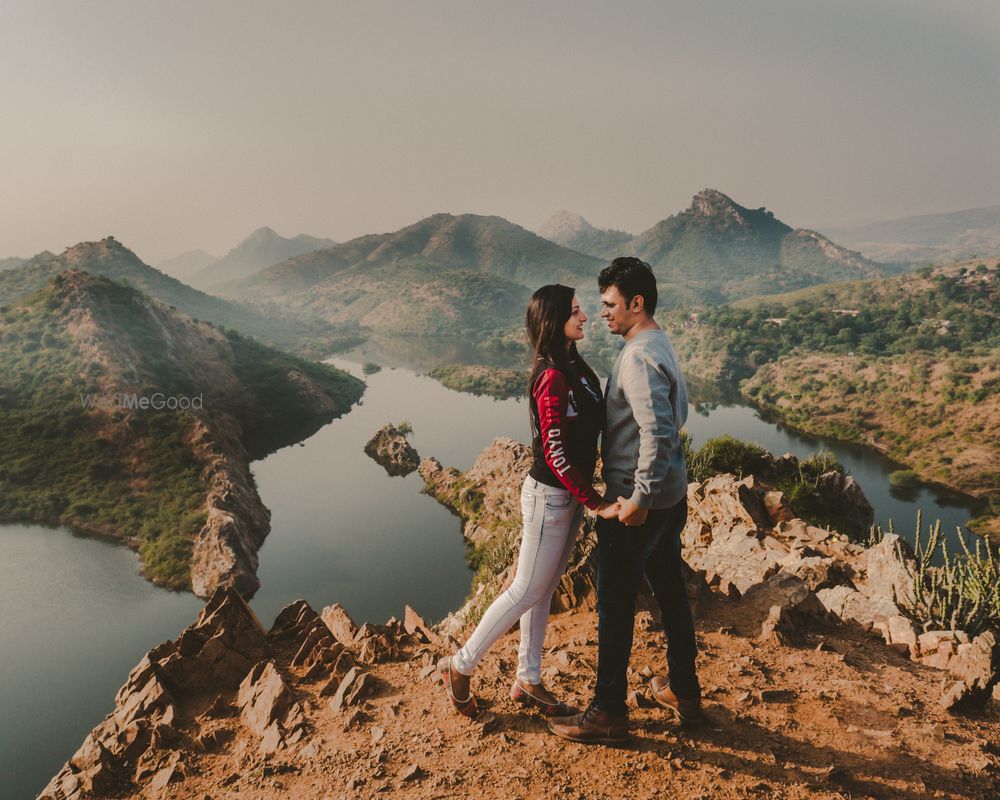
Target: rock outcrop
{"x": 225, "y": 550}
{"x": 390, "y": 448}
{"x": 224, "y": 678}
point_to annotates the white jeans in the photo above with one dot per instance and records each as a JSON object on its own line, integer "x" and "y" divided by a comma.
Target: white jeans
{"x": 551, "y": 520}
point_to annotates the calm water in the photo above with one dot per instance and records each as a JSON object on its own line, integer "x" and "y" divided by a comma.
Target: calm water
{"x": 77, "y": 617}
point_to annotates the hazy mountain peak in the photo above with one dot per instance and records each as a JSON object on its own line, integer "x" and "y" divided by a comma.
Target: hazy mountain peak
{"x": 108, "y": 247}
{"x": 712, "y": 202}
{"x": 262, "y": 248}
{"x": 569, "y": 229}
{"x": 563, "y": 224}
{"x": 261, "y": 234}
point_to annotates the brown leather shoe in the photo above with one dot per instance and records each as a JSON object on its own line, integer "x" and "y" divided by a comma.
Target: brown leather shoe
{"x": 688, "y": 711}
{"x": 593, "y": 726}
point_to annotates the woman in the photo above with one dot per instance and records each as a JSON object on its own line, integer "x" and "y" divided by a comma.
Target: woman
{"x": 567, "y": 414}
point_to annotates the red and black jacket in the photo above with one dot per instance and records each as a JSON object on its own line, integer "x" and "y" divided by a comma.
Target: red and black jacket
{"x": 567, "y": 415}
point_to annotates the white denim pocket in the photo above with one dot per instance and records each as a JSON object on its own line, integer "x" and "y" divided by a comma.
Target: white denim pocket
{"x": 558, "y": 501}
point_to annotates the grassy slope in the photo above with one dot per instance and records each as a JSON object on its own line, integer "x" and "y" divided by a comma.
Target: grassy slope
{"x": 128, "y": 474}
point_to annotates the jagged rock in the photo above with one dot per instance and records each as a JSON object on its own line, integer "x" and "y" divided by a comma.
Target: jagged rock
{"x": 354, "y": 687}
{"x": 878, "y": 613}
{"x": 376, "y": 644}
{"x": 817, "y": 571}
{"x": 389, "y": 448}
{"x": 173, "y": 772}
{"x": 937, "y": 647}
{"x": 777, "y": 507}
{"x": 264, "y": 697}
{"x": 414, "y": 625}
{"x": 889, "y": 570}
{"x": 217, "y": 650}
{"x": 211, "y": 655}
{"x": 340, "y": 624}
{"x": 782, "y": 609}
{"x": 225, "y": 549}
{"x": 493, "y": 482}
{"x": 976, "y": 665}
{"x": 303, "y": 629}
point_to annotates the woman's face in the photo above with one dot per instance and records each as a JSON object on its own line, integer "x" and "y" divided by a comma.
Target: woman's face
{"x": 574, "y": 325}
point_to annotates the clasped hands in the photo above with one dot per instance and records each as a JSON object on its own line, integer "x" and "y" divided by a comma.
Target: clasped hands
{"x": 624, "y": 510}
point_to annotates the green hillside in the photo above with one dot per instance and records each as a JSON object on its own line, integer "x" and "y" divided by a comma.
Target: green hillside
{"x": 910, "y": 365}
{"x": 79, "y": 449}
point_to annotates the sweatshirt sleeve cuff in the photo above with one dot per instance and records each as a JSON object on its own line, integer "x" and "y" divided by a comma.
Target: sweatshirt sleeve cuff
{"x": 593, "y": 501}
{"x": 640, "y": 499}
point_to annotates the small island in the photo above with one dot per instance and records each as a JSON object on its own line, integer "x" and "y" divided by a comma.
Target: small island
{"x": 500, "y": 383}
{"x": 389, "y": 448}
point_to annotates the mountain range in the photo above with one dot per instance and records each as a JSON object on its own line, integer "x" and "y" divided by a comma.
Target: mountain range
{"x": 260, "y": 249}
{"x": 111, "y": 259}
{"x": 937, "y": 238}
{"x": 444, "y": 275}
{"x": 717, "y": 250}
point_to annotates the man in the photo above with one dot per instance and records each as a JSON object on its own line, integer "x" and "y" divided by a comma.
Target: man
{"x": 644, "y": 466}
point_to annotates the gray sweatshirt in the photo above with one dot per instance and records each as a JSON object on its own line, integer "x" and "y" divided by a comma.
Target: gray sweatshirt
{"x": 647, "y": 407}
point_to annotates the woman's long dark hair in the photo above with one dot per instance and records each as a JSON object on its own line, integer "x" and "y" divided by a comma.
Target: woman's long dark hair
{"x": 548, "y": 312}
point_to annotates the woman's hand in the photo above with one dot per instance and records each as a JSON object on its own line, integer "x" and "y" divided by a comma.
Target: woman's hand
{"x": 609, "y": 510}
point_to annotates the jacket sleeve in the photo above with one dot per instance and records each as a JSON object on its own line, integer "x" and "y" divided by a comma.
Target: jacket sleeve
{"x": 552, "y": 396}
{"x": 647, "y": 389}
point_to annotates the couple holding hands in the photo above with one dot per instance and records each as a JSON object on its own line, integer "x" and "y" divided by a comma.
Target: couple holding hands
{"x": 639, "y": 520}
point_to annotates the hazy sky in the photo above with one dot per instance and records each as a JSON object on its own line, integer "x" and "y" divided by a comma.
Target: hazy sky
{"x": 176, "y": 125}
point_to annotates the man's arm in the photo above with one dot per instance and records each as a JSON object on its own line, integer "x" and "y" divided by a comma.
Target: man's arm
{"x": 646, "y": 387}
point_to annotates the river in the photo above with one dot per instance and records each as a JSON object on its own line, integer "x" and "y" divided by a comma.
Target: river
{"x": 77, "y": 616}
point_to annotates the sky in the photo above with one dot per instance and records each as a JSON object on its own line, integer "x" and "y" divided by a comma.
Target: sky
{"x": 180, "y": 125}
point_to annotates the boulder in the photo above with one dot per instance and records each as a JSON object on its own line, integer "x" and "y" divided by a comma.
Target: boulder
{"x": 781, "y": 609}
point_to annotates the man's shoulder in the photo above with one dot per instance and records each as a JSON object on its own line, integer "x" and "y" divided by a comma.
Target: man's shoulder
{"x": 650, "y": 345}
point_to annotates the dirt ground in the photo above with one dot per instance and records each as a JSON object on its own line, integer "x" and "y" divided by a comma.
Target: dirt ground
{"x": 844, "y": 717}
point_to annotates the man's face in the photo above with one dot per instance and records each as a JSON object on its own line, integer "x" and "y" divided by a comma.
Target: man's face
{"x": 615, "y": 311}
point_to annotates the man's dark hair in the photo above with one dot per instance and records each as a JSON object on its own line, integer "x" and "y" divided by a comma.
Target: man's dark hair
{"x": 632, "y": 277}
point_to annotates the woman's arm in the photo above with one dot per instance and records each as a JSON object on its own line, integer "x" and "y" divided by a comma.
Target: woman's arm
{"x": 552, "y": 396}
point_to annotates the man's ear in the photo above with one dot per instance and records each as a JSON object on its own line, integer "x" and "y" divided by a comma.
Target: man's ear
{"x": 638, "y": 304}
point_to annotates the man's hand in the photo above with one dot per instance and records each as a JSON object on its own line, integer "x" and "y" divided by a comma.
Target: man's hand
{"x": 631, "y": 514}
{"x": 609, "y": 510}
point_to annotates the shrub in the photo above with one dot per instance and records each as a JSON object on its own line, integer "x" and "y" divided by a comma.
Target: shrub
{"x": 903, "y": 479}
{"x": 727, "y": 454}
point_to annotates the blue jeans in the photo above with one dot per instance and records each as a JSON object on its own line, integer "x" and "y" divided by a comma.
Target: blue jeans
{"x": 624, "y": 555}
